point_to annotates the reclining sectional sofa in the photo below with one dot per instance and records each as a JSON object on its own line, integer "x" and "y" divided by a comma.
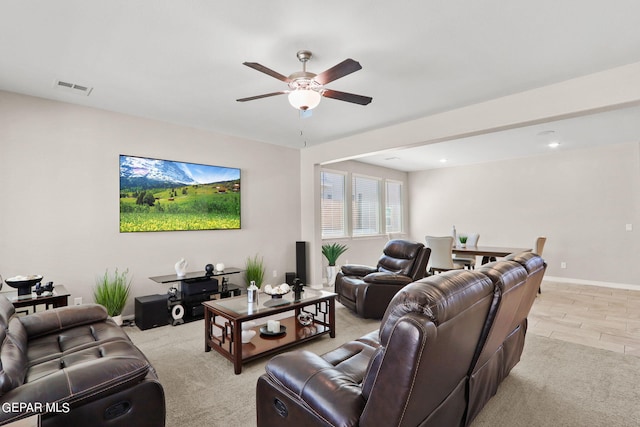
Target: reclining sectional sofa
{"x": 444, "y": 345}
{"x": 75, "y": 367}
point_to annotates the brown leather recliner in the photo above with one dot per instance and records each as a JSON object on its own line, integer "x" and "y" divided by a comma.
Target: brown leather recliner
{"x": 368, "y": 290}
{"x": 412, "y": 372}
{"x": 75, "y": 367}
{"x": 503, "y": 340}
{"x": 444, "y": 345}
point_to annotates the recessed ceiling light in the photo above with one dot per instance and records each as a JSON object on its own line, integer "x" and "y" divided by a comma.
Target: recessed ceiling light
{"x": 553, "y": 144}
{"x": 443, "y": 160}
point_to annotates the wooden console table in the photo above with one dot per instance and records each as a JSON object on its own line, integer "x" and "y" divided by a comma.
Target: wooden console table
{"x": 223, "y": 324}
{"x": 59, "y": 297}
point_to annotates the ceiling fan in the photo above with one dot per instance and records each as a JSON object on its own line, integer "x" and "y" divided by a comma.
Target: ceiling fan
{"x": 306, "y": 88}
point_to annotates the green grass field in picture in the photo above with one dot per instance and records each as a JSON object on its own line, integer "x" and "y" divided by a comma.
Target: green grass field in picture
{"x": 159, "y": 195}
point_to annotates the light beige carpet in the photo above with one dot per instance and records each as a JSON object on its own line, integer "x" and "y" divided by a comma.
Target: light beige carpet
{"x": 555, "y": 384}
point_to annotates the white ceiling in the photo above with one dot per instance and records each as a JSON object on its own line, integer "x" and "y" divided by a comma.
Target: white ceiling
{"x": 612, "y": 127}
{"x": 181, "y": 61}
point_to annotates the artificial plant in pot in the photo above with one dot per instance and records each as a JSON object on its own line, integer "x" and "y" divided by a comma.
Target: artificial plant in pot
{"x": 331, "y": 252}
{"x": 254, "y": 271}
{"x": 112, "y": 291}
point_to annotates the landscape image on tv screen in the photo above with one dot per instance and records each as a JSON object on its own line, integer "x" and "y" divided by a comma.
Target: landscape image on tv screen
{"x": 163, "y": 195}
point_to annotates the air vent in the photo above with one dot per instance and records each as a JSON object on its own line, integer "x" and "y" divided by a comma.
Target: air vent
{"x": 78, "y": 89}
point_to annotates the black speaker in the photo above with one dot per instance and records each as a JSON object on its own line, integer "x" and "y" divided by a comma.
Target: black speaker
{"x": 289, "y": 277}
{"x": 301, "y": 261}
{"x": 151, "y": 311}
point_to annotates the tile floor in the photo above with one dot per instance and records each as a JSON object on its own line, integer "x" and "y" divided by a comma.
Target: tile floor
{"x": 595, "y": 316}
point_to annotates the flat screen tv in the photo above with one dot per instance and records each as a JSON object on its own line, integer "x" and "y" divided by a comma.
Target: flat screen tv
{"x": 164, "y": 195}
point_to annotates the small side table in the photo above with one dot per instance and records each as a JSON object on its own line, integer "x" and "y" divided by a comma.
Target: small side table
{"x": 59, "y": 297}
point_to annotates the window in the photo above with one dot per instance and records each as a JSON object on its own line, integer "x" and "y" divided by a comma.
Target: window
{"x": 332, "y": 204}
{"x": 376, "y": 207}
{"x": 393, "y": 207}
{"x": 365, "y": 206}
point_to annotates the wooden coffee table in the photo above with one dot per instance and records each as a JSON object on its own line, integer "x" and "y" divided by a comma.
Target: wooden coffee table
{"x": 223, "y": 324}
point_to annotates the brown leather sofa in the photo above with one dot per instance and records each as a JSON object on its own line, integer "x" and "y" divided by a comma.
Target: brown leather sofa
{"x": 444, "y": 345}
{"x": 368, "y": 290}
{"x": 75, "y": 367}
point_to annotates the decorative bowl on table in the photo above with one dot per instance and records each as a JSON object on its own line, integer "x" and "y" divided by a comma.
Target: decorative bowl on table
{"x": 24, "y": 283}
{"x": 277, "y": 291}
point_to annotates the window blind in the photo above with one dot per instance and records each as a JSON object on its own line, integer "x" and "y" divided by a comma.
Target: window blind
{"x": 393, "y": 207}
{"x": 365, "y": 206}
{"x": 332, "y": 204}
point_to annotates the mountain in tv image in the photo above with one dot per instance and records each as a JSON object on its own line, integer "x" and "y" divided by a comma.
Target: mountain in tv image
{"x": 138, "y": 172}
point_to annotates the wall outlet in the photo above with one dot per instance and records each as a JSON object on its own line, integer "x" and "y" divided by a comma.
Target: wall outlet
{"x": 563, "y": 264}
{"x": 629, "y": 227}
{"x": 275, "y": 273}
{"x": 77, "y": 301}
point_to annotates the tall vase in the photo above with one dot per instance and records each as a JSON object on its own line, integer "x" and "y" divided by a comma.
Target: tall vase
{"x": 331, "y": 275}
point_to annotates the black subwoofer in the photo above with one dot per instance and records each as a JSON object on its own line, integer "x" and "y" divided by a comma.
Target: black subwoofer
{"x": 151, "y": 311}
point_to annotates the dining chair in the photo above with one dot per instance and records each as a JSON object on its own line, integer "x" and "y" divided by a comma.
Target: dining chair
{"x": 540, "y": 241}
{"x": 441, "y": 256}
{"x": 468, "y": 261}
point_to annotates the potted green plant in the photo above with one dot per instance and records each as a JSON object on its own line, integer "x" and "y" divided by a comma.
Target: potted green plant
{"x": 463, "y": 241}
{"x": 331, "y": 252}
{"x": 254, "y": 271}
{"x": 113, "y": 292}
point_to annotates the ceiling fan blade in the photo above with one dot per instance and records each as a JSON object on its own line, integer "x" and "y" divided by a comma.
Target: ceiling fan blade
{"x": 349, "y": 97}
{"x": 266, "y": 70}
{"x": 266, "y": 95}
{"x": 344, "y": 68}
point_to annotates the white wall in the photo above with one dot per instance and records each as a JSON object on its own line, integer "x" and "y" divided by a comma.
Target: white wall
{"x": 580, "y": 200}
{"x": 60, "y": 207}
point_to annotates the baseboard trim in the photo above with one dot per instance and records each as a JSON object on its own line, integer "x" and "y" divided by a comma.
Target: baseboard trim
{"x": 593, "y": 283}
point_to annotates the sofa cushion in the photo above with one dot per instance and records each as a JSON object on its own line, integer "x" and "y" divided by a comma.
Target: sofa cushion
{"x": 399, "y": 256}
{"x": 71, "y": 360}
{"x": 13, "y": 357}
{"x": 54, "y": 345}
{"x": 352, "y": 358}
{"x": 430, "y": 300}
{"x": 530, "y": 261}
{"x": 356, "y": 270}
{"x": 46, "y": 322}
{"x": 387, "y": 278}
{"x": 6, "y": 311}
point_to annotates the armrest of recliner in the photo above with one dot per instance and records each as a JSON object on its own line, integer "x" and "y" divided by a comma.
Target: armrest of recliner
{"x": 329, "y": 392}
{"x": 46, "y": 322}
{"x": 74, "y": 384}
{"x": 385, "y": 278}
{"x": 357, "y": 270}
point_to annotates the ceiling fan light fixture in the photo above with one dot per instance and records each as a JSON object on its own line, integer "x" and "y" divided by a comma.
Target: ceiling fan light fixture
{"x": 304, "y": 99}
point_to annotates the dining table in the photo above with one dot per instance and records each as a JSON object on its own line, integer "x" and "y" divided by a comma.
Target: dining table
{"x": 488, "y": 253}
